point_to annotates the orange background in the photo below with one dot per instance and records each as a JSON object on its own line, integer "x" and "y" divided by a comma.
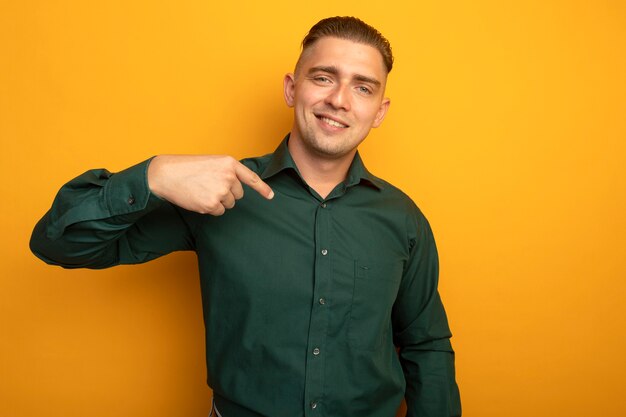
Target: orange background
{"x": 507, "y": 127}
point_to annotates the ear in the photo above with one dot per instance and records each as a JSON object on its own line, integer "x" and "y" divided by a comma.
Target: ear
{"x": 289, "y": 88}
{"x": 382, "y": 111}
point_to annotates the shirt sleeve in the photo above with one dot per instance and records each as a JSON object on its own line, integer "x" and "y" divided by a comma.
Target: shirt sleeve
{"x": 421, "y": 331}
{"x": 100, "y": 219}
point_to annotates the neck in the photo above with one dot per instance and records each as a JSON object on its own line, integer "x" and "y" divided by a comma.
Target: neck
{"x": 321, "y": 174}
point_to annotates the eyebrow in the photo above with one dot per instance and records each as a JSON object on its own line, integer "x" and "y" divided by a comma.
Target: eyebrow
{"x": 331, "y": 69}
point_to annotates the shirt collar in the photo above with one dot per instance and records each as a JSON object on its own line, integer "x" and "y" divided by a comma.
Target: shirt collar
{"x": 281, "y": 160}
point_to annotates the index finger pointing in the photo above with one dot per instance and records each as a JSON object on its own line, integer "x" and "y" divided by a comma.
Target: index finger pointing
{"x": 250, "y": 178}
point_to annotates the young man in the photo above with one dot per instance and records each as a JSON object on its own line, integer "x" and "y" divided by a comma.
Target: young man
{"x": 319, "y": 287}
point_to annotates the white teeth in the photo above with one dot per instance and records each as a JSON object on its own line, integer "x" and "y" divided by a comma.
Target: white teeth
{"x": 332, "y": 122}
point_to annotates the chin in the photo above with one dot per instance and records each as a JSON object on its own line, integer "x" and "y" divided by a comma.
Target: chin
{"x": 331, "y": 153}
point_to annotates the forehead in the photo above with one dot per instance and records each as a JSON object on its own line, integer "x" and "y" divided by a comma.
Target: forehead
{"x": 346, "y": 55}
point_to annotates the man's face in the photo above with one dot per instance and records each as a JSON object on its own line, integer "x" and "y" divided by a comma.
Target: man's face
{"x": 337, "y": 95}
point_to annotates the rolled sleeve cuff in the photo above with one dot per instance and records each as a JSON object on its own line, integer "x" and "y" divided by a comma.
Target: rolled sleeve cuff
{"x": 128, "y": 192}
{"x": 122, "y": 198}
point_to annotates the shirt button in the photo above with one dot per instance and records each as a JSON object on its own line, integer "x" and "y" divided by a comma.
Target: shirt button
{"x": 323, "y": 205}
{"x": 324, "y": 252}
{"x": 131, "y": 200}
{"x": 313, "y": 405}
{"x": 316, "y": 351}
{"x": 322, "y": 301}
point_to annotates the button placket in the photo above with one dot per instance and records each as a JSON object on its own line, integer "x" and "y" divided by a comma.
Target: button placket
{"x": 314, "y": 380}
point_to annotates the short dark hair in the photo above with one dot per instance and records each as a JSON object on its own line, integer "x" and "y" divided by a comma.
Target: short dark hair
{"x": 350, "y": 28}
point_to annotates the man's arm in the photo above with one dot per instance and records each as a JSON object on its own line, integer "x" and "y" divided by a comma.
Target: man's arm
{"x": 100, "y": 219}
{"x": 422, "y": 334}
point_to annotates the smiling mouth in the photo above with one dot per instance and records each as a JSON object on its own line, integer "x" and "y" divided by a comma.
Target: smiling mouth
{"x": 332, "y": 122}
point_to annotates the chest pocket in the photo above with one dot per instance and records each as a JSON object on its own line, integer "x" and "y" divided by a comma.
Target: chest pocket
{"x": 375, "y": 291}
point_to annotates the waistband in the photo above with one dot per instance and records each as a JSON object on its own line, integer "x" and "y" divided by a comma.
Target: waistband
{"x": 230, "y": 409}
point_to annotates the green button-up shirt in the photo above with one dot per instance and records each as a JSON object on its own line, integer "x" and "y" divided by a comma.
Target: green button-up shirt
{"x": 313, "y": 307}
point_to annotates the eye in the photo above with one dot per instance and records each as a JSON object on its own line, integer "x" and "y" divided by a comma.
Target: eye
{"x": 322, "y": 79}
{"x": 364, "y": 90}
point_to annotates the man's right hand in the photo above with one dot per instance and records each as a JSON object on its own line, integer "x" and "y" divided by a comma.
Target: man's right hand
{"x": 207, "y": 184}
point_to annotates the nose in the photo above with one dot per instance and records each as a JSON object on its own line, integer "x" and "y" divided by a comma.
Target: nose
{"x": 339, "y": 97}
